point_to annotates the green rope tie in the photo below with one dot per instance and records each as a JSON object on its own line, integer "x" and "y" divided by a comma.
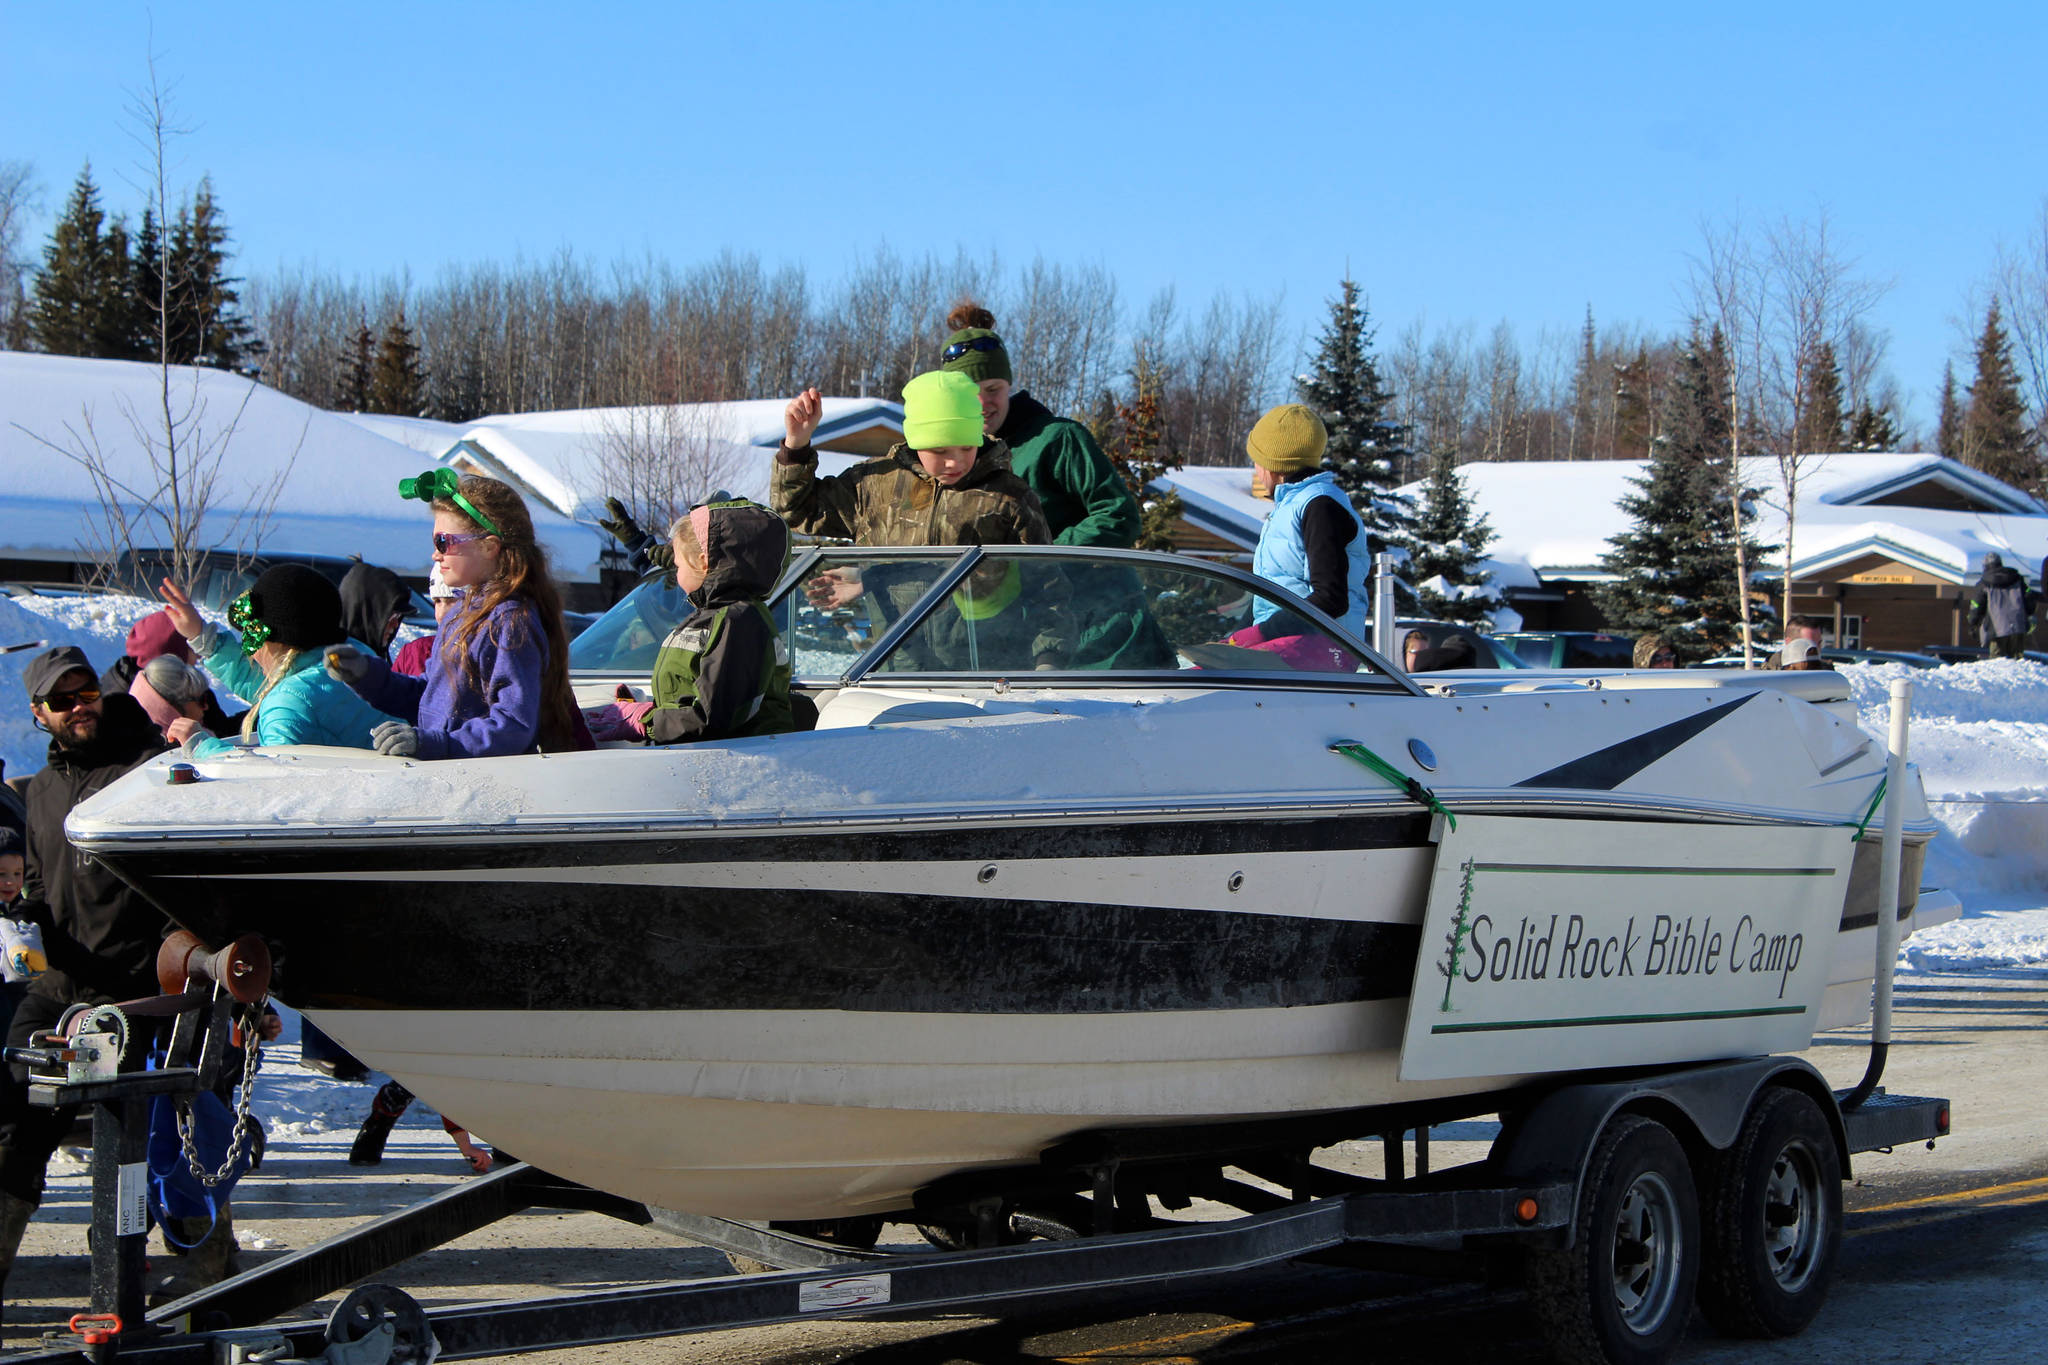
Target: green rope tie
{"x": 1876, "y": 799}
{"x": 1419, "y": 794}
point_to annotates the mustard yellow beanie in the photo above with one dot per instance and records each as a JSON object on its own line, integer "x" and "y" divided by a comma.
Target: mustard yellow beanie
{"x": 1289, "y": 439}
{"x": 941, "y": 408}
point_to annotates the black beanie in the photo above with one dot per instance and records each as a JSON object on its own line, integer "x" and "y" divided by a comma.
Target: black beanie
{"x": 302, "y": 609}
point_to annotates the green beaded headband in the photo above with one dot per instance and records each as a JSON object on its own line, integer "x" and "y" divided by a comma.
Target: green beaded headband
{"x": 443, "y": 483}
{"x": 242, "y": 616}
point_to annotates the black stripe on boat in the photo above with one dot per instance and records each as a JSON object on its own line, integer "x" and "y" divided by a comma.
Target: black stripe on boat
{"x": 607, "y": 945}
{"x": 1605, "y": 769}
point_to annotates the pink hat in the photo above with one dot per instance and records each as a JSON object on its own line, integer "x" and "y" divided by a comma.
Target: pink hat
{"x": 153, "y": 635}
{"x": 700, "y": 527}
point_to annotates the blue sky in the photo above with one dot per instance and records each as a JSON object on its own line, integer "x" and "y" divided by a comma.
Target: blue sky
{"x": 1469, "y": 163}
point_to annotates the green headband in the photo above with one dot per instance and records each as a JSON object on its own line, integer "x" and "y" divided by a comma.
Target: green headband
{"x": 443, "y": 483}
{"x": 242, "y": 616}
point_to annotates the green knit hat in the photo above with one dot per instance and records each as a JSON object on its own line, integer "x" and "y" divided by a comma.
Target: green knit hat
{"x": 941, "y": 408}
{"x": 1289, "y": 439}
{"x": 977, "y": 353}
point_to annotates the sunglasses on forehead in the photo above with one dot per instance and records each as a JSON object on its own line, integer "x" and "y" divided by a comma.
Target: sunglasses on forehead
{"x": 77, "y": 696}
{"x": 960, "y": 348}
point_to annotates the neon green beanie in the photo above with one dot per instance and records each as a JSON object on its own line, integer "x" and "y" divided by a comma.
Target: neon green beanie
{"x": 941, "y": 408}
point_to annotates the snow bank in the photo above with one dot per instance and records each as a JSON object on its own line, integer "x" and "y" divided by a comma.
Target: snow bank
{"x": 1980, "y": 740}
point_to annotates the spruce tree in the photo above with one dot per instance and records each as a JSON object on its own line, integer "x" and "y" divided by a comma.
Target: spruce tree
{"x": 1872, "y": 428}
{"x": 83, "y": 303}
{"x": 1997, "y": 438}
{"x": 146, "y": 282}
{"x": 1366, "y": 451}
{"x": 1948, "y": 431}
{"x": 1634, "y": 416}
{"x": 1586, "y": 394}
{"x": 397, "y": 385}
{"x": 1675, "y": 567}
{"x": 1820, "y": 406}
{"x": 1449, "y": 542}
{"x": 206, "y": 324}
{"x": 358, "y": 359}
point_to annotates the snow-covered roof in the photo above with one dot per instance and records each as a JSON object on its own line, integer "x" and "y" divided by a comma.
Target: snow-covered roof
{"x": 423, "y": 434}
{"x": 340, "y": 490}
{"x": 563, "y": 456}
{"x": 1553, "y": 519}
{"x": 1557, "y": 517}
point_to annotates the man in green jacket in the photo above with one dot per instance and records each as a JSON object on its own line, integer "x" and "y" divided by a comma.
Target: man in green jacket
{"x": 1086, "y": 501}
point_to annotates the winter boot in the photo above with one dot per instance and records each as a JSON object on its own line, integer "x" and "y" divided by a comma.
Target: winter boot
{"x": 214, "y": 1259}
{"x": 385, "y": 1111}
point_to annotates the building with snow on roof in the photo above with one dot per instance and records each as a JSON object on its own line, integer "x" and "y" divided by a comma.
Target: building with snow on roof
{"x": 572, "y": 460}
{"x": 290, "y": 478}
{"x": 1884, "y": 548}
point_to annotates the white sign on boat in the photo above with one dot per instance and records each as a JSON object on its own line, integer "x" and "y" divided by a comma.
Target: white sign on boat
{"x": 1555, "y": 945}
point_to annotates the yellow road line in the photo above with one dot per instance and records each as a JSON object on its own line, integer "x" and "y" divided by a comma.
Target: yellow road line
{"x": 1955, "y": 1196}
{"x": 1141, "y": 1346}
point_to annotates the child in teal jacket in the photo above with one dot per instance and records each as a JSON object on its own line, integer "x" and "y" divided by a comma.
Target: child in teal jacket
{"x": 288, "y": 621}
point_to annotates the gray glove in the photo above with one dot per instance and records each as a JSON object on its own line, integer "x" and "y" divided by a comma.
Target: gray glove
{"x": 395, "y": 738}
{"x": 347, "y": 664}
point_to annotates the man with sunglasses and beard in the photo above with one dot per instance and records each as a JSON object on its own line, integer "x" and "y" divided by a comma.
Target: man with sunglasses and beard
{"x": 100, "y": 936}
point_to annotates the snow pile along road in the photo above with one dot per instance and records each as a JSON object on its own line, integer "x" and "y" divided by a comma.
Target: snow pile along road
{"x": 1980, "y": 740}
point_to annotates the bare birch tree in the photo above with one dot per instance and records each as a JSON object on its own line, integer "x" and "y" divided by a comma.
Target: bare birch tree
{"x": 2021, "y": 284}
{"x": 163, "y": 487}
{"x": 662, "y": 460}
{"x": 19, "y": 196}
{"x": 1728, "y": 291}
{"x": 1811, "y": 300}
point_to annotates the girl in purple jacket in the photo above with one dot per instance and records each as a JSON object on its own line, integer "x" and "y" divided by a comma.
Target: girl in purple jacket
{"x": 498, "y": 680}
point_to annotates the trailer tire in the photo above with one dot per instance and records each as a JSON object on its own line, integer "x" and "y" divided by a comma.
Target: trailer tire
{"x": 1622, "y": 1292}
{"x": 1774, "y": 1219}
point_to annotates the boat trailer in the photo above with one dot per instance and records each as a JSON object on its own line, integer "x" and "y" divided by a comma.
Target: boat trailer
{"x": 1087, "y": 1208}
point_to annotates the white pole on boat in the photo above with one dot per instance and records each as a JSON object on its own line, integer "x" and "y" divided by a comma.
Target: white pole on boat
{"x": 1889, "y": 863}
{"x": 1383, "y": 625}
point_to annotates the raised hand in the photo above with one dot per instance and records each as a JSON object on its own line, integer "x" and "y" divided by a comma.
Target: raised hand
{"x": 620, "y": 523}
{"x": 801, "y": 418}
{"x": 178, "y": 606}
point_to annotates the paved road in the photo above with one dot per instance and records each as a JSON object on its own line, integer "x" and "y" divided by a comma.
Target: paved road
{"x": 1945, "y": 1255}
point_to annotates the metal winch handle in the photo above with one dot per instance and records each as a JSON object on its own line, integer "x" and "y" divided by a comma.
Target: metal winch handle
{"x": 242, "y": 968}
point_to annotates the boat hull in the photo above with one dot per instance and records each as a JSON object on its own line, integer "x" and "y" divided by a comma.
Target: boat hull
{"x": 819, "y": 1024}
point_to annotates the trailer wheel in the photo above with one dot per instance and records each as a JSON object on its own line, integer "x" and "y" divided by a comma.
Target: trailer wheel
{"x": 1774, "y": 1220}
{"x": 1621, "y": 1293}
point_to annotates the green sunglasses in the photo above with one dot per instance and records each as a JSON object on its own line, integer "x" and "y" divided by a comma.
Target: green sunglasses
{"x": 443, "y": 483}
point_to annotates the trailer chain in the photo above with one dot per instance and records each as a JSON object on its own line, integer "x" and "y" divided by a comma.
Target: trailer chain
{"x": 238, "y": 1145}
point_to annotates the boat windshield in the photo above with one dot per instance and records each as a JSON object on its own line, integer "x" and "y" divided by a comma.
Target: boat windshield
{"x": 966, "y": 611}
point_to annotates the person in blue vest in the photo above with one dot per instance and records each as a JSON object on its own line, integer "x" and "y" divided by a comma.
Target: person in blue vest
{"x": 1312, "y": 544}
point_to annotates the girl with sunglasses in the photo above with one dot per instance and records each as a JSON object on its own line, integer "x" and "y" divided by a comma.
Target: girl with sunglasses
{"x": 497, "y": 682}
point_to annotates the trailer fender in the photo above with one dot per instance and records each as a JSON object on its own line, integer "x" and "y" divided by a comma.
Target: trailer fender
{"x": 1550, "y": 1140}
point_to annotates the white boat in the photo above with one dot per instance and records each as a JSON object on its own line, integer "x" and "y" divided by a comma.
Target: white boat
{"x": 975, "y": 912}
